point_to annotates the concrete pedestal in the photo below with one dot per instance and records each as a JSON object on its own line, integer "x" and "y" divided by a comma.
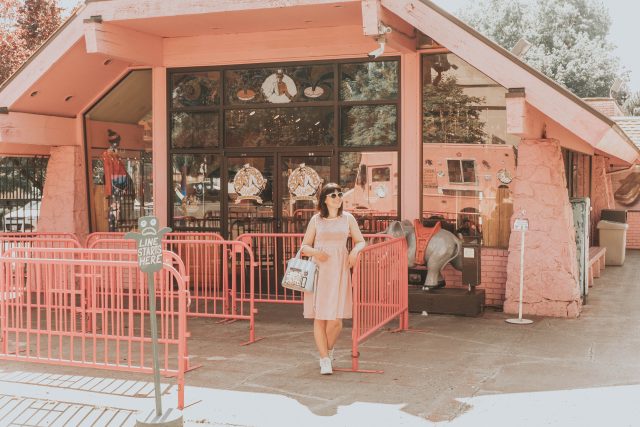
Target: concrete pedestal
{"x": 170, "y": 418}
{"x": 446, "y": 301}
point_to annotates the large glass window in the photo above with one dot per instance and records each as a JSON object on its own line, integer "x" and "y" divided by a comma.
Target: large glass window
{"x": 119, "y": 137}
{"x": 347, "y": 111}
{"x": 195, "y": 191}
{"x": 468, "y": 158}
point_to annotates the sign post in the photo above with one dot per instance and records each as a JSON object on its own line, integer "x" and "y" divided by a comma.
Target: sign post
{"x": 521, "y": 224}
{"x": 149, "y": 245}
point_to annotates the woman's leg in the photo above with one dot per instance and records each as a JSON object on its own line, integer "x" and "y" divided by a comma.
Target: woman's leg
{"x": 333, "y": 331}
{"x": 320, "y": 335}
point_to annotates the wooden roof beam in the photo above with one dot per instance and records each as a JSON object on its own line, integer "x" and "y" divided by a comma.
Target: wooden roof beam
{"x": 378, "y": 22}
{"x": 121, "y": 43}
{"x": 36, "y": 130}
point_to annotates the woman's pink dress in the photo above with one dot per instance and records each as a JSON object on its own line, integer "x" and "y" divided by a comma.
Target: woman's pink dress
{"x": 332, "y": 297}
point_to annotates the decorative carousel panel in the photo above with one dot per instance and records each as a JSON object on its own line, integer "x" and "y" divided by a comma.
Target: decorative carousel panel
{"x": 195, "y": 89}
{"x": 194, "y": 130}
{"x": 279, "y": 85}
{"x": 369, "y": 81}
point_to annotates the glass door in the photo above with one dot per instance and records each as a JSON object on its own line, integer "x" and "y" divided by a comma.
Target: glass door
{"x": 302, "y": 177}
{"x": 251, "y": 206}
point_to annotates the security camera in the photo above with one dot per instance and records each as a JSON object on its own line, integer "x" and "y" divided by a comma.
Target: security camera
{"x": 380, "y": 50}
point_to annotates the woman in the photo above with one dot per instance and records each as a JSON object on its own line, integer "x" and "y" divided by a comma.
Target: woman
{"x": 326, "y": 241}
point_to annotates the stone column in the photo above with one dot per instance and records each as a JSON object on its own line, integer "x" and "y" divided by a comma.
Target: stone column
{"x": 551, "y": 270}
{"x": 64, "y": 199}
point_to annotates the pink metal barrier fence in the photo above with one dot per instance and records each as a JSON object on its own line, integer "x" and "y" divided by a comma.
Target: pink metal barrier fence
{"x": 271, "y": 251}
{"x": 79, "y": 309}
{"x": 9, "y": 242}
{"x": 38, "y": 234}
{"x": 220, "y": 285}
{"x": 380, "y": 291}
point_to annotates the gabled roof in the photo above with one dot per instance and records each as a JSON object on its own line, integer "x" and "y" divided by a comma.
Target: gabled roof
{"x": 69, "y": 45}
{"x": 631, "y": 126}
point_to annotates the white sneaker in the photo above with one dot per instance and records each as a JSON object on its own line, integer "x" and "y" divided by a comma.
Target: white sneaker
{"x": 325, "y": 366}
{"x": 332, "y": 354}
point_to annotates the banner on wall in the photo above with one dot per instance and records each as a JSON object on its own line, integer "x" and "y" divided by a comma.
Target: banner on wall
{"x": 626, "y": 189}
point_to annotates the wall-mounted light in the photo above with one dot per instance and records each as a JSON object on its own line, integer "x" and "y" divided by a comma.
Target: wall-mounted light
{"x": 68, "y": 98}
{"x": 34, "y": 93}
{"x": 108, "y": 61}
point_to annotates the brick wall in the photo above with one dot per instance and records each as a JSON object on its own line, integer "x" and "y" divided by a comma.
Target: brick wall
{"x": 493, "y": 275}
{"x": 633, "y": 232}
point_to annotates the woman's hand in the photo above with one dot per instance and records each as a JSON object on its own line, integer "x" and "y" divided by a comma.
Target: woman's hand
{"x": 353, "y": 257}
{"x": 321, "y": 256}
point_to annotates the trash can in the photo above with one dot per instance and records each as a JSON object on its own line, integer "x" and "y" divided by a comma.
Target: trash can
{"x": 613, "y": 236}
{"x": 615, "y": 215}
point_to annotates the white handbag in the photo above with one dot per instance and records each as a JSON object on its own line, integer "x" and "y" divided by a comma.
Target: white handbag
{"x": 301, "y": 274}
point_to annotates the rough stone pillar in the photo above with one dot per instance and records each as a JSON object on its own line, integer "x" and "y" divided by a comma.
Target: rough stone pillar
{"x": 601, "y": 192}
{"x": 550, "y": 275}
{"x": 64, "y": 200}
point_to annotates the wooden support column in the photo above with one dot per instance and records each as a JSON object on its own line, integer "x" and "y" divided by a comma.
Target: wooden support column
{"x": 160, "y": 144}
{"x": 411, "y": 137}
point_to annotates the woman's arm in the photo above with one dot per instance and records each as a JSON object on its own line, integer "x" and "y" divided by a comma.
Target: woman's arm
{"x": 358, "y": 240}
{"x": 309, "y": 238}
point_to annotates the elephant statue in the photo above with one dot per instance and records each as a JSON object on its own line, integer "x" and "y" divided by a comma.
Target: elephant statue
{"x": 443, "y": 248}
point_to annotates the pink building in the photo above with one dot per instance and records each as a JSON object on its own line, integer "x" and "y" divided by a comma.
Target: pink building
{"x": 226, "y": 116}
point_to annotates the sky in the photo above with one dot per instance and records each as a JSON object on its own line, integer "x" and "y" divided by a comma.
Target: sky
{"x": 624, "y": 31}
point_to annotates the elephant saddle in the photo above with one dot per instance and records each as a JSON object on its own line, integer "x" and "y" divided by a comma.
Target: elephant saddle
{"x": 423, "y": 235}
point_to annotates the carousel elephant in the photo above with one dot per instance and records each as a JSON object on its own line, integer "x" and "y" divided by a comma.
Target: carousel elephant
{"x": 443, "y": 248}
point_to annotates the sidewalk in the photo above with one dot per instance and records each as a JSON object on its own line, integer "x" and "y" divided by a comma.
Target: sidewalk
{"x": 456, "y": 371}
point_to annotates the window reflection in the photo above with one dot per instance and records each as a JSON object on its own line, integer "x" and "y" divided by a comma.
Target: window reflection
{"x": 194, "y": 130}
{"x": 279, "y": 127}
{"x": 195, "y": 191}
{"x": 370, "y": 182}
{"x": 195, "y": 89}
{"x": 367, "y": 125}
{"x": 369, "y": 81}
{"x": 469, "y": 160}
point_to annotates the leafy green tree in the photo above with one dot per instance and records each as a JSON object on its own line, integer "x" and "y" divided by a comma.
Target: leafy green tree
{"x": 450, "y": 115}
{"x": 569, "y": 39}
{"x": 632, "y": 104}
{"x": 24, "y": 26}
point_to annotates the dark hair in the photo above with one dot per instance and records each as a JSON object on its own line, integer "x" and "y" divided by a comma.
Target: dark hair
{"x": 322, "y": 203}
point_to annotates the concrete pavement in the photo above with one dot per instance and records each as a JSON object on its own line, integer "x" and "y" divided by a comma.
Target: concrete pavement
{"x": 453, "y": 370}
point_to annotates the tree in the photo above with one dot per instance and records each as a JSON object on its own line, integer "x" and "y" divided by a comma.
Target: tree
{"x": 24, "y": 26}
{"x": 450, "y": 115}
{"x": 569, "y": 39}
{"x": 37, "y": 20}
{"x": 632, "y": 104}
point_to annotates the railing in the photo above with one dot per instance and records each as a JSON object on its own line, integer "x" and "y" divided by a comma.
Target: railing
{"x": 77, "y": 308}
{"x": 41, "y": 242}
{"x": 380, "y": 291}
{"x": 271, "y": 251}
{"x": 176, "y": 235}
{"x": 220, "y": 286}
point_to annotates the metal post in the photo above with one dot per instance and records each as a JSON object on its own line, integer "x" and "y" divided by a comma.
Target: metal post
{"x": 154, "y": 342}
{"x": 520, "y": 320}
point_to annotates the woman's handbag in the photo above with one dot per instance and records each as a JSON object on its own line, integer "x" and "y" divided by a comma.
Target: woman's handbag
{"x": 301, "y": 274}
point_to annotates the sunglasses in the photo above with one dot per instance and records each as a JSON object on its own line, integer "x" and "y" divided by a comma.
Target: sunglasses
{"x": 334, "y": 195}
